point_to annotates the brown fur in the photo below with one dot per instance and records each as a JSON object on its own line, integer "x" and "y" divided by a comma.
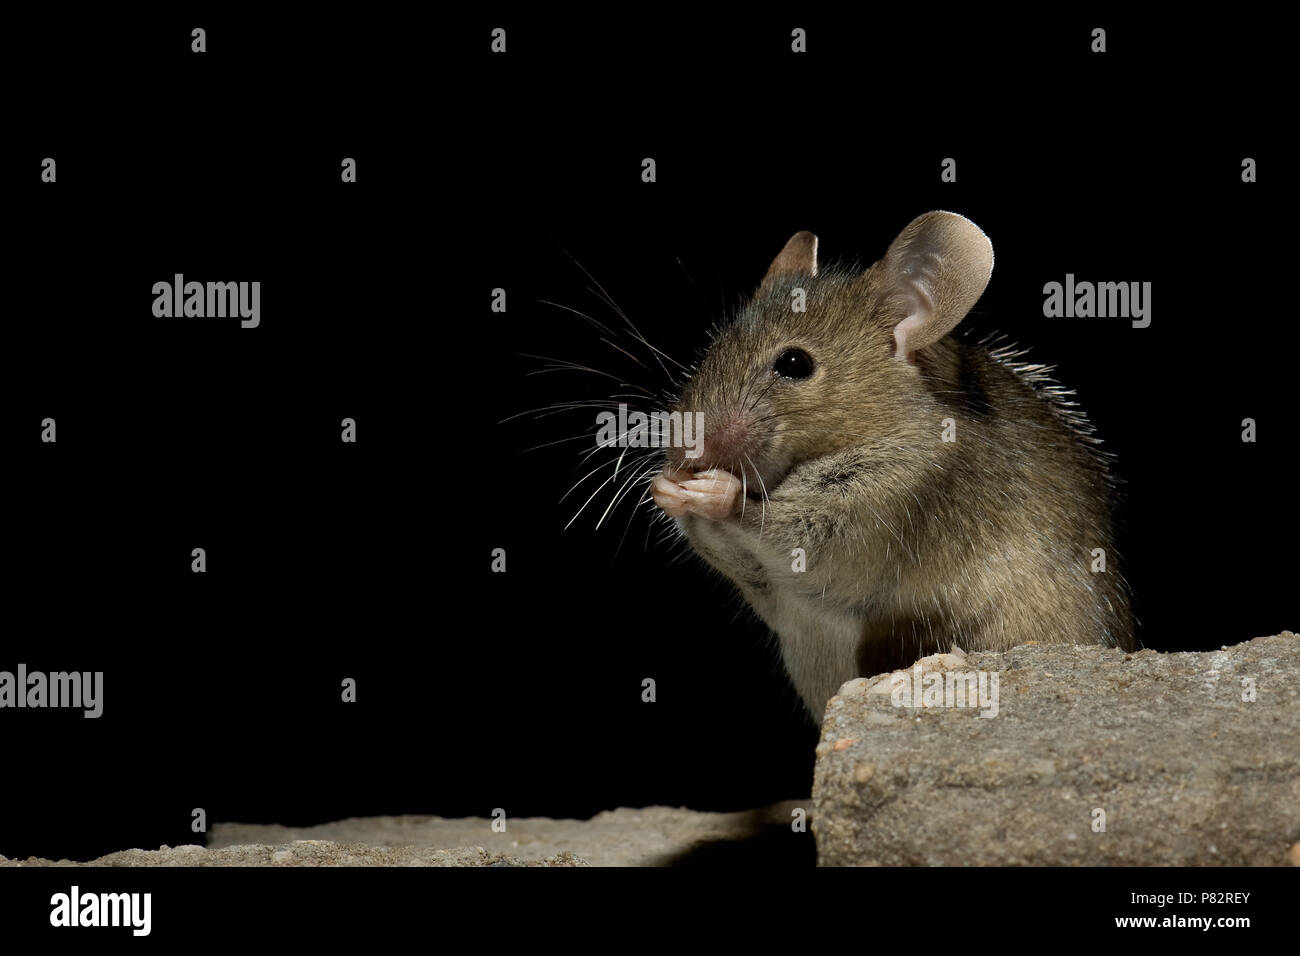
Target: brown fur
{"x": 913, "y": 544}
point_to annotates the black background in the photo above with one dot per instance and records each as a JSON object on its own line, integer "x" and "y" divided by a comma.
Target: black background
{"x": 522, "y": 690}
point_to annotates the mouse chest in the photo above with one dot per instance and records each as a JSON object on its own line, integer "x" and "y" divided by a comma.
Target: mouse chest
{"x": 819, "y": 633}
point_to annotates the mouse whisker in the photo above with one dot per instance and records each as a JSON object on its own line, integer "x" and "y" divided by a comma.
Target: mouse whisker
{"x": 592, "y": 496}
{"x": 763, "y": 486}
{"x": 614, "y": 334}
{"x": 645, "y": 478}
{"x": 558, "y": 407}
{"x": 603, "y": 465}
{"x": 599, "y": 325}
{"x": 618, "y": 496}
{"x": 609, "y": 300}
{"x": 559, "y": 441}
{"x": 565, "y": 364}
{"x": 744, "y": 488}
{"x": 763, "y": 392}
{"x": 627, "y": 353}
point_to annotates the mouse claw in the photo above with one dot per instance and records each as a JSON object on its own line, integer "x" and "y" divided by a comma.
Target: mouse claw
{"x": 713, "y": 494}
{"x": 668, "y": 495}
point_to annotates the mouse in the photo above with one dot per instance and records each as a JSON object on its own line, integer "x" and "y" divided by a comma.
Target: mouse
{"x": 876, "y": 487}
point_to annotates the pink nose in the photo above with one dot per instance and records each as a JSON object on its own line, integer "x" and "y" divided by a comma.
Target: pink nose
{"x": 726, "y": 438}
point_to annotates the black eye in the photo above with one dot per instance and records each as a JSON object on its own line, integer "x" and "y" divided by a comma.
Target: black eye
{"x": 793, "y": 363}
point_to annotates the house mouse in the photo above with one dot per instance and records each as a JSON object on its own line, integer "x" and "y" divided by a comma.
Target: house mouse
{"x": 878, "y": 489}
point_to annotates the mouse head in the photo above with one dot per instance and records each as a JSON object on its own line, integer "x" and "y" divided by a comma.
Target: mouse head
{"x": 823, "y": 359}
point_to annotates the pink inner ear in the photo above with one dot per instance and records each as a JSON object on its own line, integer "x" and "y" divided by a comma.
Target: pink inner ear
{"x": 905, "y": 335}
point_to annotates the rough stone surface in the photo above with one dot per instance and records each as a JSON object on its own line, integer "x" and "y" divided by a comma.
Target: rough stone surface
{"x": 1186, "y": 771}
{"x": 307, "y": 853}
{"x": 652, "y": 836}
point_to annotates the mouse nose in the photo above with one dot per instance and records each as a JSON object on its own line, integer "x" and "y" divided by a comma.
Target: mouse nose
{"x": 725, "y": 442}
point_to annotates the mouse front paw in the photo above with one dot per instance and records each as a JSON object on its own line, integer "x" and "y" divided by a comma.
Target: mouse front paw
{"x": 714, "y": 494}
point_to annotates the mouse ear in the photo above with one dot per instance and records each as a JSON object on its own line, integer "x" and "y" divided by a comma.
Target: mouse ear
{"x": 798, "y": 257}
{"x": 934, "y": 272}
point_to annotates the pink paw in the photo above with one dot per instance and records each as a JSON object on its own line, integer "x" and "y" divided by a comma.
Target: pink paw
{"x": 713, "y": 494}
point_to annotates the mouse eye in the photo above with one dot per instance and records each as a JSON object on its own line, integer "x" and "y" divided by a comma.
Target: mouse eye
{"x": 793, "y": 363}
